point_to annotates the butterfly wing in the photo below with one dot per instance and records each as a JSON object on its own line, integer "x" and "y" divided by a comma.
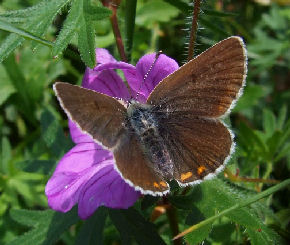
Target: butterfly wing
{"x": 103, "y": 118}
{"x": 188, "y": 104}
{"x": 97, "y": 114}
{"x": 133, "y": 165}
{"x": 208, "y": 85}
{"x": 199, "y": 148}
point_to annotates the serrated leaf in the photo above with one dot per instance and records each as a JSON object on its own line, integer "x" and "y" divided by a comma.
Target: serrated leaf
{"x": 86, "y": 38}
{"x": 91, "y": 232}
{"x": 131, "y": 224}
{"x": 219, "y": 196}
{"x": 194, "y": 217}
{"x": 13, "y": 29}
{"x": 69, "y": 29}
{"x": 40, "y": 19}
{"x": 48, "y": 225}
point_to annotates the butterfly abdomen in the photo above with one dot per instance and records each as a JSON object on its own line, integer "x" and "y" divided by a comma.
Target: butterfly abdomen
{"x": 145, "y": 126}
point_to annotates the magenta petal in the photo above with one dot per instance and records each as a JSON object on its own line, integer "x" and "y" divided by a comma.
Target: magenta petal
{"x": 81, "y": 157}
{"x": 105, "y": 188}
{"x": 161, "y": 69}
{"x": 114, "y": 65}
{"x": 106, "y": 82}
{"x": 103, "y": 56}
{"x": 72, "y": 172}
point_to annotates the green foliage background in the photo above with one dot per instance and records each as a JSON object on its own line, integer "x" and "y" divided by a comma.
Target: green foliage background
{"x": 53, "y": 40}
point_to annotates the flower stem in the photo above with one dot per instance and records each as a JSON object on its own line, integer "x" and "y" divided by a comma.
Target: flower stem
{"x": 113, "y": 5}
{"x": 196, "y": 11}
{"x": 173, "y": 223}
{"x": 237, "y": 206}
{"x": 235, "y": 178}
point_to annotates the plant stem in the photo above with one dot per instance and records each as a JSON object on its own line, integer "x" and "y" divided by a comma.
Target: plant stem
{"x": 196, "y": 11}
{"x": 239, "y": 205}
{"x": 113, "y": 5}
{"x": 235, "y": 178}
{"x": 173, "y": 223}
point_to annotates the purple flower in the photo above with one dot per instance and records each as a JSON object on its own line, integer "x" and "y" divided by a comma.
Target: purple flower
{"x": 86, "y": 175}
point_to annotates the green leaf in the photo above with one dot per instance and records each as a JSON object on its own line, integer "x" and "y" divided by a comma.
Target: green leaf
{"x": 131, "y": 224}
{"x": 5, "y": 155}
{"x": 36, "y": 166}
{"x": 225, "y": 200}
{"x": 40, "y": 19}
{"x": 18, "y": 80}
{"x": 194, "y": 217}
{"x": 47, "y": 225}
{"x": 251, "y": 96}
{"x": 156, "y": 11}
{"x": 91, "y": 232}
{"x": 69, "y": 29}
{"x": 6, "y": 85}
{"x": 218, "y": 13}
{"x": 73, "y": 22}
{"x": 186, "y": 202}
{"x": 86, "y": 37}
{"x": 182, "y": 6}
{"x": 9, "y": 27}
{"x": 283, "y": 152}
{"x": 282, "y": 117}
{"x": 269, "y": 122}
{"x": 53, "y": 135}
{"x": 213, "y": 27}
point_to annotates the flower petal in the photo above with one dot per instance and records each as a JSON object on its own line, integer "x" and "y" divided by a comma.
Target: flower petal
{"x": 106, "y": 188}
{"x": 72, "y": 172}
{"x": 106, "y": 82}
{"x": 103, "y": 56}
{"x": 161, "y": 69}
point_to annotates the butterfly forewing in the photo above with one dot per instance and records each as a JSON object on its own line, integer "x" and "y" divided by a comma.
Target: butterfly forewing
{"x": 97, "y": 114}
{"x": 208, "y": 85}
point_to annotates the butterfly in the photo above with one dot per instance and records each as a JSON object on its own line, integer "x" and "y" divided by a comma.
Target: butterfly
{"x": 178, "y": 133}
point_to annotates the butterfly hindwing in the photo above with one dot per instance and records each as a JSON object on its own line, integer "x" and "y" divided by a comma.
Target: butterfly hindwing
{"x": 199, "y": 148}
{"x": 133, "y": 165}
{"x": 208, "y": 85}
{"x": 97, "y": 114}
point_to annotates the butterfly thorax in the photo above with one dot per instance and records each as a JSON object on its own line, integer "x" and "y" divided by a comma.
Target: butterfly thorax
{"x": 145, "y": 125}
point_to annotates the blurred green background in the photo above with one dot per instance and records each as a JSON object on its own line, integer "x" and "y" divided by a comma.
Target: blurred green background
{"x": 34, "y": 133}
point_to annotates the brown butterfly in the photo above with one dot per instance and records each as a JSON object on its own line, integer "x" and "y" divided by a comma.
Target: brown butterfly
{"x": 178, "y": 134}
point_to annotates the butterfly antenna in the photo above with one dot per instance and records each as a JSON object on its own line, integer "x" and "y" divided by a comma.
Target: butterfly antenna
{"x": 148, "y": 72}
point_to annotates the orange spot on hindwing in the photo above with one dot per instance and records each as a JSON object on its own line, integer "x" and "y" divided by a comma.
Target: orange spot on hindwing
{"x": 201, "y": 169}
{"x": 155, "y": 184}
{"x": 162, "y": 183}
{"x": 185, "y": 176}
